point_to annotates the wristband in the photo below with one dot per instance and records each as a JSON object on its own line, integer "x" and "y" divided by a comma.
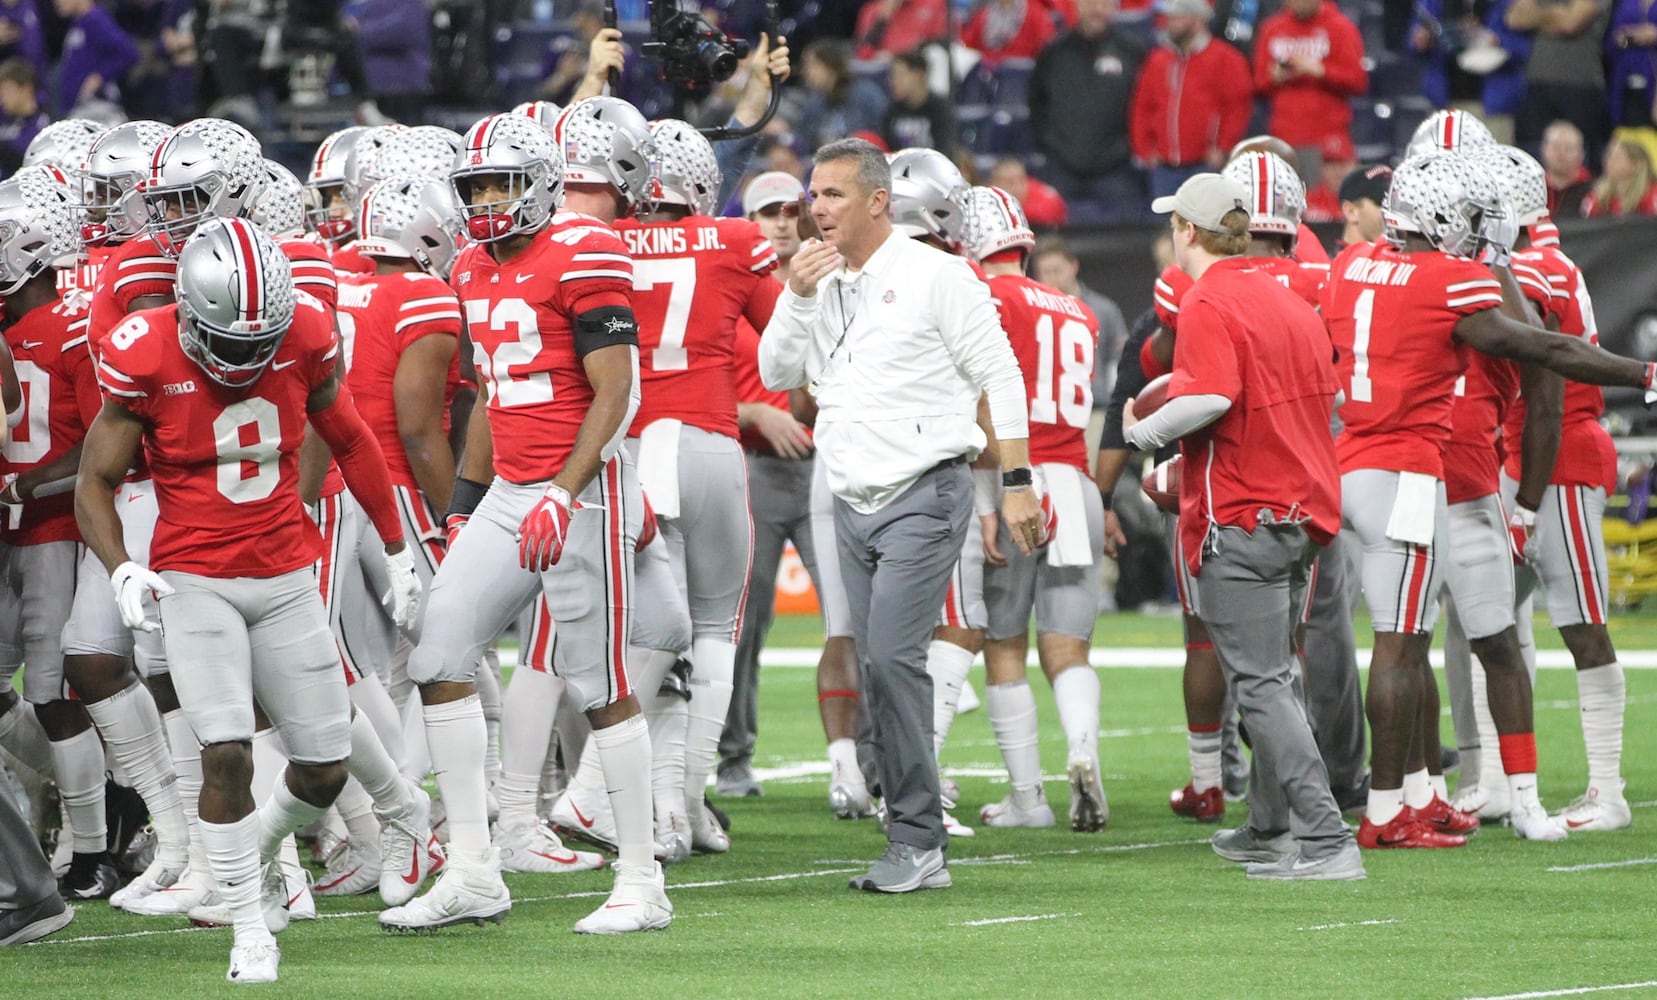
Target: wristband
{"x": 1105, "y": 497}
{"x": 1014, "y": 479}
{"x": 986, "y": 492}
{"x": 466, "y": 496}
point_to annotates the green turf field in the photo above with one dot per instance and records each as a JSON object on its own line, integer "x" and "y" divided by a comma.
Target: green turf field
{"x": 1143, "y": 909}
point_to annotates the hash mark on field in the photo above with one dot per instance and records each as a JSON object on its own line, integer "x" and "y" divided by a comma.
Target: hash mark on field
{"x": 1015, "y": 920}
{"x": 1572, "y": 992}
{"x": 1604, "y": 864}
{"x": 1351, "y": 923}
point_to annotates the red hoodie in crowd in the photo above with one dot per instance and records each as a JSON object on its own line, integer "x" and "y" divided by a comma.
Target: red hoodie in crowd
{"x": 1306, "y": 108}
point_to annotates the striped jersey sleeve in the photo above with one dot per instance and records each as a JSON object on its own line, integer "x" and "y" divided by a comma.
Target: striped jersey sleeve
{"x": 1473, "y": 295}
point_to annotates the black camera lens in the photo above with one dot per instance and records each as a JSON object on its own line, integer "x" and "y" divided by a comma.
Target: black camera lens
{"x": 717, "y": 58}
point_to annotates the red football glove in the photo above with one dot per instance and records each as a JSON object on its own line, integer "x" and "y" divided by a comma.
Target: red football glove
{"x": 451, "y": 529}
{"x": 541, "y": 535}
{"x": 647, "y": 531}
{"x": 1521, "y": 525}
{"x": 1049, "y": 521}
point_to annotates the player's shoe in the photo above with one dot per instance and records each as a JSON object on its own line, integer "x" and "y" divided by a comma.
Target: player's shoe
{"x": 1244, "y": 846}
{"x": 1405, "y": 830}
{"x": 1445, "y": 818}
{"x": 949, "y": 792}
{"x": 296, "y": 885}
{"x": 955, "y": 828}
{"x": 1532, "y": 822}
{"x": 90, "y": 876}
{"x": 1206, "y": 806}
{"x": 273, "y": 901}
{"x": 706, "y": 836}
{"x": 254, "y": 962}
{"x": 737, "y": 781}
{"x": 1485, "y": 803}
{"x": 533, "y": 847}
{"x": 637, "y": 903}
{"x": 1089, "y": 809}
{"x": 1008, "y": 812}
{"x": 672, "y": 841}
{"x": 158, "y": 876}
{"x": 194, "y": 888}
{"x": 409, "y": 850}
{"x": 1597, "y": 809}
{"x": 468, "y": 891}
{"x": 584, "y": 814}
{"x": 1345, "y": 865}
{"x": 351, "y": 872}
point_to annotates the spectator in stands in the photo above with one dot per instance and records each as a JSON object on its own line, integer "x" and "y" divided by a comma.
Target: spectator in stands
{"x": 1566, "y": 74}
{"x": 96, "y": 55}
{"x": 1308, "y": 62}
{"x": 916, "y": 116}
{"x": 20, "y": 34}
{"x": 178, "y": 44}
{"x": 1627, "y": 186}
{"x": 887, "y": 27}
{"x": 1504, "y": 86}
{"x": 1009, "y": 29}
{"x": 396, "y": 55}
{"x": 20, "y": 113}
{"x": 835, "y": 103}
{"x": 1631, "y": 55}
{"x": 1052, "y": 262}
{"x": 1323, "y": 200}
{"x": 1456, "y": 49}
{"x": 1192, "y": 101}
{"x": 1079, "y": 101}
{"x": 1569, "y": 180}
{"x": 1043, "y": 206}
{"x": 1363, "y": 192}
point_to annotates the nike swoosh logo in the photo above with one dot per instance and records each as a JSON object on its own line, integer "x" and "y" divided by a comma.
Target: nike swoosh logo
{"x": 584, "y": 820}
{"x": 413, "y": 876}
{"x": 572, "y": 859}
{"x": 520, "y": 279}
{"x": 1577, "y": 824}
{"x": 295, "y": 897}
{"x": 132, "y": 497}
{"x": 617, "y": 906}
{"x": 339, "y": 881}
{"x": 1392, "y": 842}
{"x": 28, "y": 346}
{"x": 277, "y": 366}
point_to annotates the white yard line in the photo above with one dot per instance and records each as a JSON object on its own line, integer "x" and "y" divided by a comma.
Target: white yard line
{"x": 1353, "y": 923}
{"x": 1632, "y": 862}
{"x": 1572, "y": 992}
{"x": 990, "y": 921}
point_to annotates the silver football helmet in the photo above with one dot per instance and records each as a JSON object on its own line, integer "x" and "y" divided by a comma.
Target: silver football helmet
{"x": 513, "y": 147}
{"x": 280, "y": 208}
{"x": 928, "y": 196}
{"x": 118, "y": 160}
{"x": 1454, "y": 130}
{"x": 235, "y": 300}
{"x": 1277, "y": 196}
{"x": 40, "y": 224}
{"x": 543, "y": 113}
{"x": 63, "y": 144}
{"x": 411, "y": 218}
{"x": 325, "y": 185}
{"x": 206, "y": 168}
{"x": 422, "y": 151}
{"x": 365, "y": 145}
{"x": 995, "y": 223}
{"x": 606, "y": 141}
{"x": 1443, "y": 197}
{"x": 687, "y": 172}
{"x": 1520, "y": 178}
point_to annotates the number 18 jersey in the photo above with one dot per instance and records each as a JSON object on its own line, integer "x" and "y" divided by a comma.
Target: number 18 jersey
{"x": 1054, "y": 336}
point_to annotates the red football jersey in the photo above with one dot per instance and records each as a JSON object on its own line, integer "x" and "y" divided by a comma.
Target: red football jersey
{"x": 749, "y": 388}
{"x": 1472, "y": 455}
{"x": 384, "y": 314}
{"x": 348, "y": 261}
{"x": 226, "y": 461}
{"x": 521, "y": 319}
{"x": 60, "y": 399}
{"x": 1170, "y": 289}
{"x": 132, "y": 270}
{"x": 1586, "y": 455}
{"x": 1054, "y": 337}
{"x": 1304, "y": 279}
{"x": 1392, "y": 318}
{"x": 313, "y": 271}
{"x": 692, "y": 280}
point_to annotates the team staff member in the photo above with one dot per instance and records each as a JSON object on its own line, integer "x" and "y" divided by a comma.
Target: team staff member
{"x": 897, "y": 341}
{"x": 1253, "y": 379}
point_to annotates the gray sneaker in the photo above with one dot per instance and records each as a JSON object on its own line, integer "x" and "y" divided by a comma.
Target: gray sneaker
{"x": 1345, "y": 865}
{"x": 1244, "y": 845}
{"x": 905, "y": 869}
{"x": 737, "y": 781}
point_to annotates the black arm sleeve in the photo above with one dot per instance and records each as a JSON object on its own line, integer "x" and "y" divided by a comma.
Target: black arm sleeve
{"x": 605, "y": 326}
{"x": 1130, "y": 378}
{"x": 465, "y": 497}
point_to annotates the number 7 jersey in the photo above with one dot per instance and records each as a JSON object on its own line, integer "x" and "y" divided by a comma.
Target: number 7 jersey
{"x": 1054, "y": 336}
{"x": 521, "y": 316}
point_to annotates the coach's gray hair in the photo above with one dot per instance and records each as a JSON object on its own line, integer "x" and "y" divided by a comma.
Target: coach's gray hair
{"x": 873, "y": 172}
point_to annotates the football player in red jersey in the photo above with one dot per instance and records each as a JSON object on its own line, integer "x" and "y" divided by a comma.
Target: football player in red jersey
{"x": 548, "y": 307}
{"x": 221, "y": 408}
{"x": 1054, "y": 337}
{"x": 1402, "y": 315}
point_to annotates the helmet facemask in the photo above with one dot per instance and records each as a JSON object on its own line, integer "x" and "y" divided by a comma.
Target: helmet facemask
{"x": 493, "y": 221}
{"x": 234, "y": 356}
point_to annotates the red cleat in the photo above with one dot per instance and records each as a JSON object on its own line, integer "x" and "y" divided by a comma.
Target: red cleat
{"x": 1204, "y": 807}
{"x": 1407, "y": 829}
{"x": 1445, "y": 818}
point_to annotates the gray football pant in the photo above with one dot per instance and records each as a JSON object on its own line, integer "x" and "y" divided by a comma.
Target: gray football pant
{"x": 25, "y": 877}
{"x": 1334, "y": 699}
{"x": 1251, "y": 589}
{"x": 896, "y": 563}
{"x": 779, "y": 493}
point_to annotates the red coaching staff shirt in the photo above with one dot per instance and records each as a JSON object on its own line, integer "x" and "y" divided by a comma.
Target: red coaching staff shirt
{"x": 1269, "y": 457}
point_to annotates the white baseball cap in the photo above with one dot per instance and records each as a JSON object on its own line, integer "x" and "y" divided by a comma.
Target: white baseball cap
{"x": 1204, "y": 200}
{"x": 770, "y": 188}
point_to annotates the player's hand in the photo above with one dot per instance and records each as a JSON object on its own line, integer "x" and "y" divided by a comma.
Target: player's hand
{"x": 989, "y": 525}
{"x": 543, "y": 531}
{"x": 786, "y": 436}
{"x": 815, "y": 261}
{"x": 131, "y": 581}
{"x": 404, "y": 595}
{"x": 451, "y": 529}
{"x": 1521, "y": 527}
{"x": 647, "y": 531}
{"x": 1021, "y": 509}
{"x": 1114, "y": 538}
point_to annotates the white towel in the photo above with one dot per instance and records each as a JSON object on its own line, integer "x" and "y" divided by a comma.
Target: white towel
{"x": 1072, "y": 547}
{"x": 659, "y": 466}
{"x": 1413, "y": 507}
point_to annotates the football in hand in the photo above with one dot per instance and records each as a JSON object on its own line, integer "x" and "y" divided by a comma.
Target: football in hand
{"x": 1162, "y": 485}
{"x": 1151, "y": 398}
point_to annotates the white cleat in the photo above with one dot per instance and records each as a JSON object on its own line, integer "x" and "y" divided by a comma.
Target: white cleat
{"x": 409, "y": 850}
{"x": 850, "y": 800}
{"x": 1008, "y": 812}
{"x": 296, "y": 884}
{"x": 672, "y": 841}
{"x": 584, "y": 814}
{"x": 273, "y": 900}
{"x": 160, "y": 875}
{"x": 254, "y": 962}
{"x": 1597, "y": 809}
{"x": 1089, "y": 810}
{"x": 1532, "y": 822}
{"x": 466, "y": 892}
{"x": 949, "y": 792}
{"x": 638, "y": 903}
{"x": 351, "y": 872}
{"x": 533, "y": 847}
{"x": 705, "y": 835}
{"x": 194, "y": 888}
{"x": 1485, "y": 803}
{"x": 954, "y": 827}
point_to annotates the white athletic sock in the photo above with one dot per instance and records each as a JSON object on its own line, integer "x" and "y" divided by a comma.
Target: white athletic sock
{"x": 527, "y": 715}
{"x": 1076, "y": 693}
{"x": 181, "y": 743}
{"x": 843, "y": 766}
{"x": 1384, "y": 805}
{"x": 1603, "y": 695}
{"x": 21, "y": 735}
{"x": 1012, "y": 711}
{"x": 1418, "y": 790}
{"x": 949, "y": 665}
{"x": 373, "y": 767}
{"x": 281, "y": 815}
{"x": 1523, "y": 789}
{"x": 624, "y": 750}
{"x": 710, "y": 701}
{"x": 1441, "y": 788}
{"x": 668, "y": 715}
{"x": 416, "y": 761}
{"x": 372, "y": 699}
{"x": 489, "y": 696}
{"x": 356, "y": 810}
{"x": 1489, "y": 771}
{"x": 131, "y": 728}
{"x": 78, "y": 763}
{"x": 233, "y": 857}
{"x": 270, "y": 763}
{"x": 1203, "y": 747}
{"x": 456, "y": 733}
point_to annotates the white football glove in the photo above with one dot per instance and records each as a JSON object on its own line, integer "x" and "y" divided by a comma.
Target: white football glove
{"x": 131, "y": 581}
{"x": 404, "y": 595}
